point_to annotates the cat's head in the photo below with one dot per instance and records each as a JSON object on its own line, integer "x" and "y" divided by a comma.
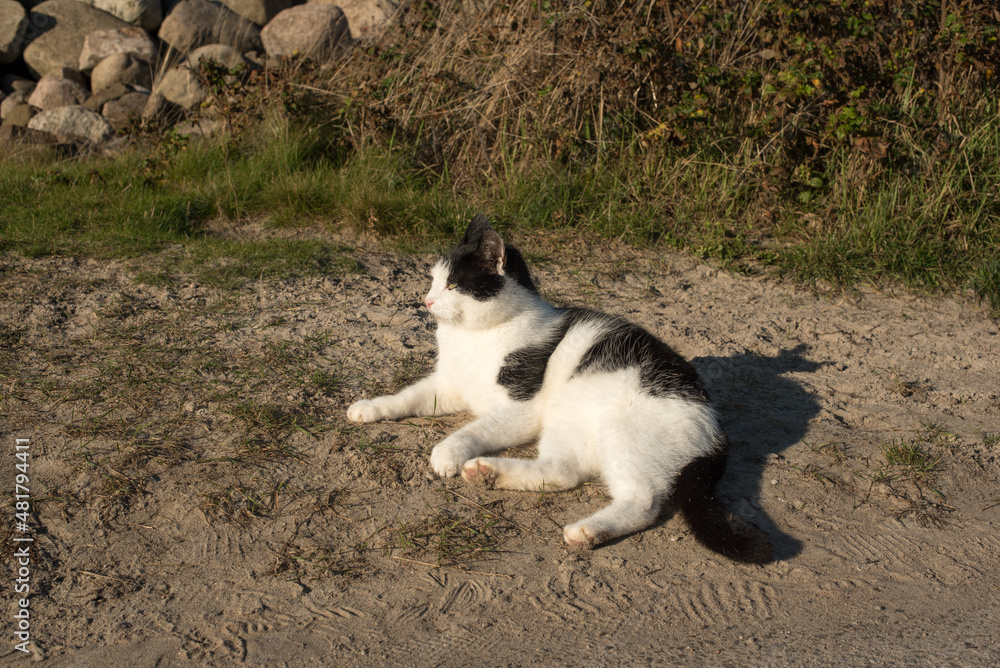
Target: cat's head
{"x": 480, "y": 283}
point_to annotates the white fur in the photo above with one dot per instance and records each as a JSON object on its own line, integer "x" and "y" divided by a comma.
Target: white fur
{"x": 587, "y": 425}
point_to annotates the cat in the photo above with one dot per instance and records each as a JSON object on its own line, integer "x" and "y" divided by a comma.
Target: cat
{"x": 602, "y": 397}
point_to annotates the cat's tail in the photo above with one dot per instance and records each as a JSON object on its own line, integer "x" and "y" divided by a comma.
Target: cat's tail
{"x": 714, "y": 525}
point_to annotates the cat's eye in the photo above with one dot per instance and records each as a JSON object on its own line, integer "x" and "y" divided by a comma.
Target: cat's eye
{"x": 452, "y": 286}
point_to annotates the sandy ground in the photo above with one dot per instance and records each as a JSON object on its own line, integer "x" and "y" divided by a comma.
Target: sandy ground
{"x": 200, "y": 499}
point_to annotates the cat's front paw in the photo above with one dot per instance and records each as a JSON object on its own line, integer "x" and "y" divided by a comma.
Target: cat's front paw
{"x": 479, "y": 472}
{"x": 365, "y": 410}
{"x": 447, "y": 458}
{"x": 581, "y": 536}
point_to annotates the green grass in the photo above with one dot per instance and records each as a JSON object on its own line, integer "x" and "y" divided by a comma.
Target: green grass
{"x": 930, "y": 224}
{"x": 909, "y": 457}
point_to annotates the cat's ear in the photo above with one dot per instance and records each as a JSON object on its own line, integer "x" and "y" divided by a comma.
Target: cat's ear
{"x": 489, "y": 245}
{"x": 492, "y": 250}
{"x": 477, "y": 227}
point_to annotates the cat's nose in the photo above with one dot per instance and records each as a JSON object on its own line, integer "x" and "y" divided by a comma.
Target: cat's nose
{"x": 428, "y": 302}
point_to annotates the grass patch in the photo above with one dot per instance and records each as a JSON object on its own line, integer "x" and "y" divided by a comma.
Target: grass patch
{"x": 909, "y": 457}
{"x": 449, "y": 537}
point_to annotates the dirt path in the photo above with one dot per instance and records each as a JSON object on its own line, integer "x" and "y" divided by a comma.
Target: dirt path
{"x": 201, "y": 499}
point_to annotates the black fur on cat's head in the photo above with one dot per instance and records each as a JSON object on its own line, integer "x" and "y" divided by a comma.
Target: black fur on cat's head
{"x": 481, "y": 263}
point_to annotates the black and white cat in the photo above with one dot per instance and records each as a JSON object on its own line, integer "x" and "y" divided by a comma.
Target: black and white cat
{"x": 602, "y": 397}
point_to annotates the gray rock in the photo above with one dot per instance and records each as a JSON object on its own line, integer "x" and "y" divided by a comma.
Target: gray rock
{"x": 121, "y": 111}
{"x": 12, "y": 100}
{"x": 194, "y": 23}
{"x": 160, "y": 109}
{"x": 73, "y": 122}
{"x": 181, "y": 87}
{"x": 224, "y": 55}
{"x": 99, "y": 98}
{"x": 19, "y": 115}
{"x": 145, "y": 13}
{"x": 100, "y": 44}
{"x": 13, "y": 20}
{"x": 61, "y": 87}
{"x": 366, "y": 18}
{"x": 259, "y": 11}
{"x": 57, "y": 32}
{"x": 121, "y": 68}
{"x": 318, "y": 31}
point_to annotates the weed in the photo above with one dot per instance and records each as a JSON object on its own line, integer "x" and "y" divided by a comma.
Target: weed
{"x": 379, "y": 445}
{"x": 909, "y": 457}
{"x": 330, "y": 383}
{"x": 990, "y": 440}
{"x": 238, "y": 500}
{"x": 936, "y": 432}
{"x": 835, "y": 450}
{"x": 451, "y": 537}
{"x": 906, "y": 388}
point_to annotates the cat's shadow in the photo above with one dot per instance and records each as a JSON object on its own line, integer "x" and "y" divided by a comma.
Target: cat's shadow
{"x": 764, "y": 412}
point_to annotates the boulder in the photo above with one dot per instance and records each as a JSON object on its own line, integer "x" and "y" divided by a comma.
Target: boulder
{"x": 99, "y": 98}
{"x": 121, "y": 68}
{"x": 160, "y": 109}
{"x": 181, "y": 87}
{"x": 100, "y": 44}
{"x": 259, "y": 11}
{"x": 19, "y": 115}
{"x": 224, "y": 55}
{"x": 318, "y": 31}
{"x": 194, "y": 23}
{"x": 12, "y": 100}
{"x": 145, "y": 13}
{"x": 366, "y": 18}
{"x": 121, "y": 111}
{"x": 13, "y": 23}
{"x": 75, "y": 121}
{"x": 58, "y": 88}
{"x": 57, "y": 32}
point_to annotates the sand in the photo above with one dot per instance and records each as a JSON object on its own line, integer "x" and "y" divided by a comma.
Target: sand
{"x": 199, "y": 497}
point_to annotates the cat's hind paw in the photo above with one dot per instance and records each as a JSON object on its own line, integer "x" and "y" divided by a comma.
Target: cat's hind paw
{"x": 479, "y": 472}
{"x": 581, "y": 536}
{"x": 363, "y": 411}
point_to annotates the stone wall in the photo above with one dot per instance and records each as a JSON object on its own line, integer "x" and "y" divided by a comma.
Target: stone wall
{"x": 77, "y": 70}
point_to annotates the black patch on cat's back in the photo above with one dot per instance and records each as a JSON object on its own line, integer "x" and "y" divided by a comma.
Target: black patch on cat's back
{"x": 662, "y": 372}
{"x": 523, "y": 370}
